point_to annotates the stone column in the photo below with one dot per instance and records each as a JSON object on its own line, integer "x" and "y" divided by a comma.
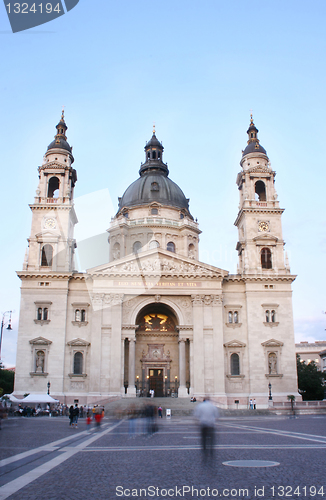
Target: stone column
{"x": 117, "y": 347}
{"x": 122, "y": 381}
{"x": 191, "y": 366}
{"x": 131, "y": 391}
{"x": 182, "y": 393}
{"x": 198, "y": 347}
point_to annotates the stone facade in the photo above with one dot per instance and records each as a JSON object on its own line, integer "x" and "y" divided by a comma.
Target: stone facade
{"x": 155, "y": 317}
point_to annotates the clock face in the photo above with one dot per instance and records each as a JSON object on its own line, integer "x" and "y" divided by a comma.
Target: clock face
{"x": 50, "y": 224}
{"x": 263, "y": 226}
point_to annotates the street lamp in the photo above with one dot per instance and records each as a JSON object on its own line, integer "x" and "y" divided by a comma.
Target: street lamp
{"x": 3, "y": 323}
{"x": 270, "y": 392}
{"x": 49, "y": 385}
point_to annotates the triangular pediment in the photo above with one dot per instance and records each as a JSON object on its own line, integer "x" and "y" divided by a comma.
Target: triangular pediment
{"x": 235, "y": 343}
{"x": 78, "y": 342}
{"x": 265, "y": 237}
{"x": 40, "y": 341}
{"x": 158, "y": 263}
{"x": 272, "y": 343}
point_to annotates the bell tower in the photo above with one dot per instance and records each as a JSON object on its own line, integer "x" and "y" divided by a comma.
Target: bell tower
{"x": 260, "y": 246}
{"x": 51, "y": 242}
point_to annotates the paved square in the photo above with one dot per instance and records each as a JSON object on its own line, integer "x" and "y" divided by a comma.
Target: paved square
{"x": 45, "y": 458}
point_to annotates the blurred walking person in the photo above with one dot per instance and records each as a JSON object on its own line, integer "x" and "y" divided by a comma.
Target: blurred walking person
{"x": 207, "y": 414}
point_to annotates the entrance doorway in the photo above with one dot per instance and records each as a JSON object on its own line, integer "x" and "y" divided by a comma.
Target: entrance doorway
{"x": 156, "y": 381}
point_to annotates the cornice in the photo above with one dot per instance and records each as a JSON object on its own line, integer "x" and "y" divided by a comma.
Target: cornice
{"x": 48, "y": 206}
{"x": 38, "y": 274}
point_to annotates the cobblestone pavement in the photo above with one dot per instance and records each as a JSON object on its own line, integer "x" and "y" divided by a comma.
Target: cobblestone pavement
{"x": 44, "y": 458}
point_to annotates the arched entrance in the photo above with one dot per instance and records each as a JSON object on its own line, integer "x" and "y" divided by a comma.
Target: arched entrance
{"x": 157, "y": 355}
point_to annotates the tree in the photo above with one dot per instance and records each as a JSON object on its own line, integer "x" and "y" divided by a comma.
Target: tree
{"x": 6, "y": 380}
{"x": 310, "y": 380}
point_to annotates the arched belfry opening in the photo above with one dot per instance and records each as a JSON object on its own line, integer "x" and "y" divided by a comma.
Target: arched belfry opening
{"x": 157, "y": 351}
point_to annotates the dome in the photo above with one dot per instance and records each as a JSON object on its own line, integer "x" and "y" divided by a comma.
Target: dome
{"x": 59, "y": 143}
{"x": 253, "y": 142}
{"x": 154, "y": 187}
{"x": 254, "y": 147}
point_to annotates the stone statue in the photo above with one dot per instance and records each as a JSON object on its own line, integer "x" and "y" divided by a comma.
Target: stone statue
{"x": 40, "y": 362}
{"x": 272, "y": 364}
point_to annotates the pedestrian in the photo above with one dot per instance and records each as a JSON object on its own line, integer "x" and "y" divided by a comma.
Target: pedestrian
{"x": 254, "y": 403}
{"x": 207, "y": 414}
{"x": 160, "y": 411}
{"x": 75, "y": 415}
{"x": 88, "y": 421}
{"x": 250, "y": 404}
{"x": 71, "y": 416}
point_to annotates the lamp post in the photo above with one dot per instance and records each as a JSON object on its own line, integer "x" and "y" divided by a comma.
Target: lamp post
{"x": 270, "y": 392}
{"x": 176, "y": 386}
{"x": 49, "y": 385}
{"x": 3, "y": 323}
{"x": 137, "y": 385}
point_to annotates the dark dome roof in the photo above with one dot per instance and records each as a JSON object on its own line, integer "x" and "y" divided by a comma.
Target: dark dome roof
{"x": 151, "y": 187}
{"x": 254, "y": 147}
{"x": 154, "y": 142}
{"x": 59, "y": 143}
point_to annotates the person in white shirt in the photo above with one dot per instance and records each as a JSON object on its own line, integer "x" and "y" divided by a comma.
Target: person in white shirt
{"x": 207, "y": 414}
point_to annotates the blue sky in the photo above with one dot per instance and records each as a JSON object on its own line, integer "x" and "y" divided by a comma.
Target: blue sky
{"x": 196, "y": 69}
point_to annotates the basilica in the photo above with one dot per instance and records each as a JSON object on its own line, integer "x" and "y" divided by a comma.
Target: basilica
{"x": 154, "y": 318}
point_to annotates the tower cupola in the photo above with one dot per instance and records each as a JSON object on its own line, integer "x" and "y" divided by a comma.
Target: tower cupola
{"x": 154, "y": 156}
{"x": 253, "y": 141}
{"x": 60, "y": 139}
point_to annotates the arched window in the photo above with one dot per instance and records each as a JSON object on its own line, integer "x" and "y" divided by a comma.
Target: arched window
{"x": 235, "y": 364}
{"x": 170, "y": 246}
{"x": 230, "y": 317}
{"x": 260, "y": 190}
{"x": 78, "y": 363}
{"x": 83, "y": 315}
{"x": 47, "y": 253}
{"x": 236, "y": 317}
{"x": 116, "y": 251}
{"x": 136, "y": 247}
{"x": 154, "y": 155}
{"x": 266, "y": 258}
{"x": 273, "y": 316}
{"x": 53, "y": 189}
{"x": 45, "y": 313}
{"x": 267, "y": 316}
{"x": 77, "y": 315}
{"x": 39, "y": 314}
{"x": 154, "y": 244}
{"x": 191, "y": 251}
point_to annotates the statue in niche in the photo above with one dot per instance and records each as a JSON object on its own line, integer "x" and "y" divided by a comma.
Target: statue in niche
{"x": 272, "y": 363}
{"x": 40, "y": 356}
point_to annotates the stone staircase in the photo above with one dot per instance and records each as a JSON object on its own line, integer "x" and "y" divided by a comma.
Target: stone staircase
{"x": 178, "y": 406}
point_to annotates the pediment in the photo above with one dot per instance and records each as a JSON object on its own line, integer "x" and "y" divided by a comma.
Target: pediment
{"x": 158, "y": 263}
{"x": 272, "y": 343}
{"x": 264, "y": 237}
{"x": 40, "y": 341}
{"x": 78, "y": 342}
{"x": 235, "y": 343}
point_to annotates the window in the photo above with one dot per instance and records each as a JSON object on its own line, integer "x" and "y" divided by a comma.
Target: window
{"x": 235, "y": 364}
{"x": 53, "y": 189}
{"x": 233, "y": 317}
{"x": 78, "y": 363}
{"x": 47, "y": 254}
{"x": 266, "y": 258}
{"x": 154, "y": 186}
{"x": 154, "y": 211}
{"x": 260, "y": 191}
{"x": 270, "y": 316}
{"x": 116, "y": 251}
{"x": 154, "y": 244}
{"x": 191, "y": 251}
{"x": 40, "y": 351}
{"x": 154, "y": 155}
{"x": 170, "y": 246}
{"x": 80, "y": 311}
{"x": 136, "y": 247}
{"x": 42, "y": 312}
